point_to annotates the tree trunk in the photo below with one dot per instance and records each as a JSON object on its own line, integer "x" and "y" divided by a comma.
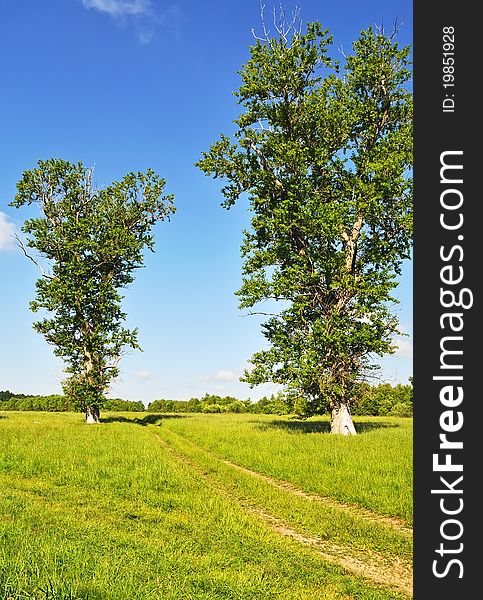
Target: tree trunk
{"x": 92, "y": 414}
{"x": 341, "y": 420}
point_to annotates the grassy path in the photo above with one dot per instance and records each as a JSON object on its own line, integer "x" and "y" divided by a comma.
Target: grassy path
{"x": 398, "y": 524}
{"x": 372, "y": 470}
{"x": 132, "y": 510}
{"x": 377, "y": 567}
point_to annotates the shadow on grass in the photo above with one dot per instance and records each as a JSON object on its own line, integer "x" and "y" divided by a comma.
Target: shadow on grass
{"x": 147, "y": 420}
{"x": 320, "y": 426}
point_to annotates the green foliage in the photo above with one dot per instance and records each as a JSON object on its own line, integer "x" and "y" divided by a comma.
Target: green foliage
{"x": 59, "y": 403}
{"x": 384, "y": 399}
{"x": 381, "y": 400}
{"x": 92, "y": 240}
{"x": 162, "y": 406}
{"x": 208, "y": 404}
{"x": 52, "y": 403}
{"x": 276, "y": 404}
{"x": 119, "y": 405}
{"x": 211, "y": 408}
{"x": 323, "y": 152}
{"x": 401, "y": 409}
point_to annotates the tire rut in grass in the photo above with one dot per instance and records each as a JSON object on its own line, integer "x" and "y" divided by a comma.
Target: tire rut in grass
{"x": 372, "y": 566}
{"x": 392, "y": 574}
{"x": 364, "y": 513}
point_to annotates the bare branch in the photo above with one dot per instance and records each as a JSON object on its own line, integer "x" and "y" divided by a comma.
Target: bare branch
{"x": 282, "y": 28}
{"x": 266, "y": 34}
{"x": 396, "y": 28}
{"x": 258, "y": 37}
{"x": 263, "y": 127}
{"x": 279, "y": 22}
{"x": 264, "y": 163}
{"x": 22, "y": 247}
{"x": 296, "y": 17}
{"x": 115, "y": 362}
{"x": 341, "y": 50}
{"x": 262, "y": 16}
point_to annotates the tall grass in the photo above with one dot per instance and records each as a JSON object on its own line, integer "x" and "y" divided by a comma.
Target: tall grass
{"x": 356, "y": 531}
{"x": 106, "y": 512}
{"x": 372, "y": 469}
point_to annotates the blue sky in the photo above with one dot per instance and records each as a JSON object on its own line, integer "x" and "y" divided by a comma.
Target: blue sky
{"x": 124, "y": 85}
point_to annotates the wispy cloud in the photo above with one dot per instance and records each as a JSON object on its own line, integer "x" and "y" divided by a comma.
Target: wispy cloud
{"x": 144, "y": 16}
{"x": 404, "y": 348}
{"x": 120, "y": 8}
{"x": 225, "y": 375}
{"x": 7, "y": 231}
{"x": 144, "y": 375}
{"x": 145, "y": 36}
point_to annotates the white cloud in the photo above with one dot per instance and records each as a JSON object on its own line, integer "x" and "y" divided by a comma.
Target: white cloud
{"x": 225, "y": 375}
{"x": 404, "y": 348}
{"x": 403, "y": 328}
{"x": 7, "y": 231}
{"x": 144, "y": 16}
{"x": 144, "y": 374}
{"x": 145, "y": 36}
{"x": 120, "y": 8}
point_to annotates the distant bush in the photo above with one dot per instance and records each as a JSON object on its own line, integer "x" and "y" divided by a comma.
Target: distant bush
{"x": 210, "y": 403}
{"x": 118, "y": 405}
{"x": 59, "y": 403}
{"x": 211, "y": 408}
{"x": 235, "y": 407}
{"x": 401, "y": 409}
{"x": 376, "y": 400}
{"x": 52, "y": 403}
{"x": 276, "y": 404}
{"x": 163, "y": 406}
{"x": 384, "y": 399}
{"x": 379, "y": 400}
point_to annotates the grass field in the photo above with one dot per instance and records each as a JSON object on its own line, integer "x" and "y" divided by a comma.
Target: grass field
{"x": 203, "y": 506}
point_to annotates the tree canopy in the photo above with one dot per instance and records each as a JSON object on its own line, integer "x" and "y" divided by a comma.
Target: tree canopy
{"x": 324, "y": 152}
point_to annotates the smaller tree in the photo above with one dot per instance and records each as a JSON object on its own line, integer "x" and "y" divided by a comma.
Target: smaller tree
{"x": 93, "y": 240}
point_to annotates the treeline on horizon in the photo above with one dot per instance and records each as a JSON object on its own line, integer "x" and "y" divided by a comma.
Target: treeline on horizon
{"x": 372, "y": 400}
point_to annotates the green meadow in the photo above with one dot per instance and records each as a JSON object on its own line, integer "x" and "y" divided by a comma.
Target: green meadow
{"x": 147, "y": 506}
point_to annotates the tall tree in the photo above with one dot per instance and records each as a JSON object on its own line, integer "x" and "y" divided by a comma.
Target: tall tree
{"x": 323, "y": 152}
{"x": 93, "y": 240}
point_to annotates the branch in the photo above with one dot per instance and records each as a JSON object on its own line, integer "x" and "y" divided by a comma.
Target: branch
{"x": 22, "y": 247}
{"x": 265, "y": 32}
{"x": 396, "y": 28}
{"x": 341, "y": 50}
{"x": 281, "y": 28}
{"x": 264, "y": 163}
{"x": 115, "y": 363}
{"x": 262, "y": 127}
{"x": 264, "y": 314}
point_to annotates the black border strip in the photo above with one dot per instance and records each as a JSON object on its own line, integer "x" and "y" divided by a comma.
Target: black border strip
{"x": 447, "y": 119}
